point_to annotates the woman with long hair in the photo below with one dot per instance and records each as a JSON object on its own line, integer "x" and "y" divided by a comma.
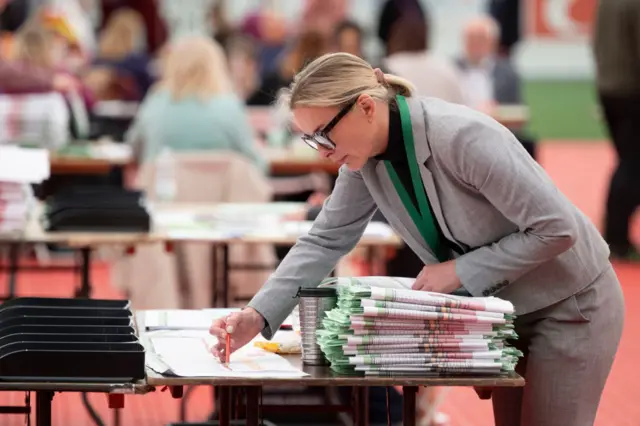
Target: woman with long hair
{"x": 193, "y": 106}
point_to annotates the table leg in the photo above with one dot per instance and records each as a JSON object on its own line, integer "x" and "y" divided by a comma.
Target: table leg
{"x": 214, "y": 275}
{"x": 224, "y": 409}
{"x": 409, "y": 405}
{"x": 85, "y": 285}
{"x": 225, "y": 275}
{"x": 13, "y": 269}
{"x": 253, "y": 405}
{"x": 361, "y": 408}
{"x": 43, "y": 408}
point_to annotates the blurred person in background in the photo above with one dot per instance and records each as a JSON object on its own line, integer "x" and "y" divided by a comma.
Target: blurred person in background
{"x": 304, "y": 48}
{"x": 73, "y": 20}
{"x": 121, "y": 68}
{"x": 37, "y": 47}
{"x": 617, "y": 58}
{"x": 323, "y": 16}
{"x": 507, "y": 15}
{"x": 242, "y": 54}
{"x": 348, "y": 38}
{"x": 13, "y": 14}
{"x": 193, "y": 107}
{"x": 223, "y": 30}
{"x": 269, "y": 29}
{"x": 154, "y": 27}
{"x": 488, "y": 79}
{"x": 392, "y": 11}
{"x": 409, "y": 57}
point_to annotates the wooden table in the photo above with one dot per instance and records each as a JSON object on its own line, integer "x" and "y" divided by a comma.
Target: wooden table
{"x": 318, "y": 376}
{"x": 85, "y": 242}
{"x": 512, "y": 116}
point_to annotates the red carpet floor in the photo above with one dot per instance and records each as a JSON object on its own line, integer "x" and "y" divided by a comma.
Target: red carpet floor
{"x": 580, "y": 170}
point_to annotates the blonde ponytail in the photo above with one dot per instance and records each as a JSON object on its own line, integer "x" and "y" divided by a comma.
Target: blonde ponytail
{"x": 336, "y": 79}
{"x": 399, "y": 85}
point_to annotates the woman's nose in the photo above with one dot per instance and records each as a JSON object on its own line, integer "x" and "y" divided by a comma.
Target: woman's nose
{"x": 325, "y": 153}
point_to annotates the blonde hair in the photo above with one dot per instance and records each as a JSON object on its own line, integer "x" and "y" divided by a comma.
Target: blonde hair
{"x": 34, "y": 46}
{"x": 120, "y": 37}
{"x": 195, "y": 65}
{"x": 336, "y": 79}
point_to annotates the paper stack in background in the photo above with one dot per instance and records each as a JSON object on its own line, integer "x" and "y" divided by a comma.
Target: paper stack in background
{"x": 19, "y": 168}
{"x": 381, "y": 327}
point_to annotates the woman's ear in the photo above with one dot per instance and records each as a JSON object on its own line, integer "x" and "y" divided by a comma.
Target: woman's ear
{"x": 368, "y": 106}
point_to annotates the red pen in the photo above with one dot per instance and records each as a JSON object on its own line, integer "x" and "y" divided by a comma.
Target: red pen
{"x": 227, "y": 351}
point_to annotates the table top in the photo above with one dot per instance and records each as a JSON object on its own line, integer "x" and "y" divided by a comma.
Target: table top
{"x": 104, "y": 387}
{"x": 323, "y": 376}
{"x": 34, "y": 232}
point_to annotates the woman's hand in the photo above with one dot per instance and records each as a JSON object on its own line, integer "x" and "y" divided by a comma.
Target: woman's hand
{"x": 439, "y": 278}
{"x": 242, "y": 326}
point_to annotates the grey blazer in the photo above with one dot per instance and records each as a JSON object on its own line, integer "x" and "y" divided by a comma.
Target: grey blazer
{"x": 522, "y": 239}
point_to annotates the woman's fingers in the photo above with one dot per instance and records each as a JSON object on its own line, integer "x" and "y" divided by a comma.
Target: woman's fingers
{"x": 218, "y": 328}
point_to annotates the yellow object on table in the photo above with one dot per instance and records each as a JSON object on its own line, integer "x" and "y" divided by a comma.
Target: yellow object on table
{"x": 283, "y": 343}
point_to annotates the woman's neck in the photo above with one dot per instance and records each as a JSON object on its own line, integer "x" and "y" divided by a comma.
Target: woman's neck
{"x": 381, "y": 137}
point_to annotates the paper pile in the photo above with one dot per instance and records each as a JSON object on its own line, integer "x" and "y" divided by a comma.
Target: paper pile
{"x": 15, "y": 199}
{"x": 382, "y": 331}
{"x": 19, "y": 167}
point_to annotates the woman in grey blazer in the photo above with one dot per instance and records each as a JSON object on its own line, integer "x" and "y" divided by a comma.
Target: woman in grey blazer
{"x": 482, "y": 215}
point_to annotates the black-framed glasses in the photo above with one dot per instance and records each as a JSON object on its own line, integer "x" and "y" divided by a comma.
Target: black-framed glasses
{"x": 321, "y": 137}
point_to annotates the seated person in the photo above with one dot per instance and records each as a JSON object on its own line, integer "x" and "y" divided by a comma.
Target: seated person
{"x": 37, "y": 47}
{"x": 193, "y": 107}
{"x": 409, "y": 57}
{"x": 121, "y": 61}
{"x": 488, "y": 79}
{"x": 348, "y": 38}
{"x": 304, "y": 49}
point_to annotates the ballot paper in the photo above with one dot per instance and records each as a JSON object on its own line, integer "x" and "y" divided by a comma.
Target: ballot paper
{"x": 188, "y": 354}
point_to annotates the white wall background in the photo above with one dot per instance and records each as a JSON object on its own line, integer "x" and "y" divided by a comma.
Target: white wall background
{"x": 534, "y": 58}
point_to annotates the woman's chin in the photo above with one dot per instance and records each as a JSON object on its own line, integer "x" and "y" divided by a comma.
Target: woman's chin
{"x": 354, "y": 164}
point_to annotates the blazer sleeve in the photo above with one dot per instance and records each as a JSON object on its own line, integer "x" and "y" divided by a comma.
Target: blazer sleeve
{"x": 334, "y": 233}
{"x": 489, "y": 159}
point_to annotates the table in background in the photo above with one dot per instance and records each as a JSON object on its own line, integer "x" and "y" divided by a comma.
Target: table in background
{"x": 318, "y": 376}
{"x": 84, "y": 242}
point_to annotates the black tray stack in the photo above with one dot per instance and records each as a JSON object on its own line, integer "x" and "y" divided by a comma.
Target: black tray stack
{"x": 69, "y": 340}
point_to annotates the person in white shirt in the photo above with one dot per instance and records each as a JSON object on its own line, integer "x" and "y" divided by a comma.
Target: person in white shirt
{"x": 489, "y": 80}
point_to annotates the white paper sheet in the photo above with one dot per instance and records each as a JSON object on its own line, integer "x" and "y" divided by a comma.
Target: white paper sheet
{"x": 190, "y": 356}
{"x": 23, "y": 165}
{"x": 183, "y": 319}
{"x": 190, "y": 319}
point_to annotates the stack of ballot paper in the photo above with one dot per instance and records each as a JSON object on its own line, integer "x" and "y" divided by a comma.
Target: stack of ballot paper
{"x": 381, "y": 327}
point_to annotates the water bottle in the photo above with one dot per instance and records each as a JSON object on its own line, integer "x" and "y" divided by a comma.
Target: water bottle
{"x": 166, "y": 186}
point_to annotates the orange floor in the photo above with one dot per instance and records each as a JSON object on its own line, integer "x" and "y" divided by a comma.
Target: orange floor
{"x": 580, "y": 170}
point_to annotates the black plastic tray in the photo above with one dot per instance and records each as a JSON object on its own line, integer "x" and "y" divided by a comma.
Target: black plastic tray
{"x": 66, "y": 302}
{"x": 50, "y": 311}
{"x": 72, "y": 362}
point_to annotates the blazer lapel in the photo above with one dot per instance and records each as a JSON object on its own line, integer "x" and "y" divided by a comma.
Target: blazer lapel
{"x": 423, "y": 152}
{"x": 404, "y": 221}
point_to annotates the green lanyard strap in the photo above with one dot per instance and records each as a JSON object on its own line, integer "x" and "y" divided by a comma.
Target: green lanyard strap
{"x": 422, "y": 216}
